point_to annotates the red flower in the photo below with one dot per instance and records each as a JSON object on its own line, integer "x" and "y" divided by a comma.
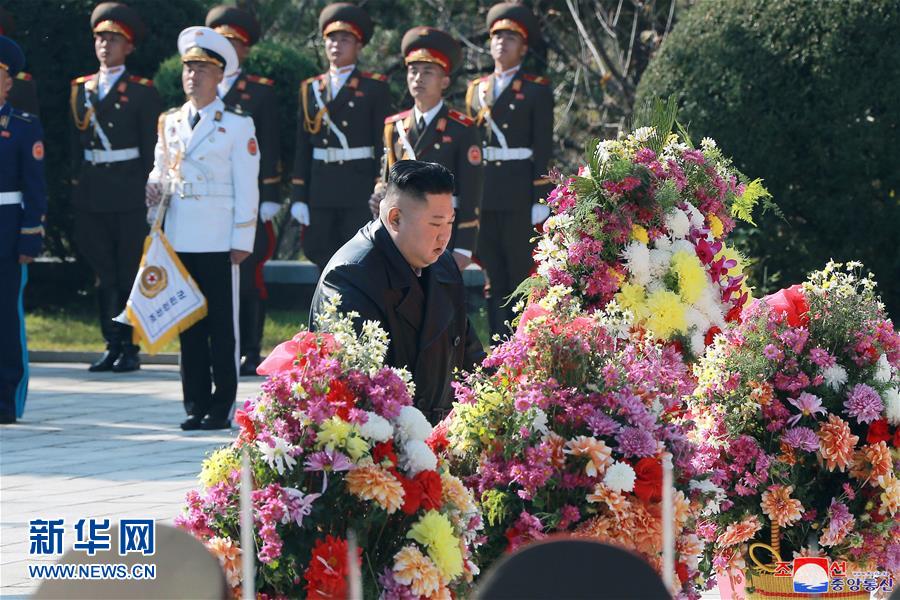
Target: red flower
{"x": 878, "y": 432}
{"x": 897, "y": 438}
{"x": 422, "y": 491}
{"x": 341, "y": 396}
{"x": 292, "y": 353}
{"x": 682, "y": 571}
{"x": 438, "y": 441}
{"x": 711, "y": 333}
{"x": 648, "y": 479}
{"x": 734, "y": 314}
{"x": 248, "y": 430}
{"x": 326, "y": 575}
{"x": 412, "y": 494}
{"x": 792, "y": 304}
{"x": 531, "y": 311}
{"x": 384, "y": 450}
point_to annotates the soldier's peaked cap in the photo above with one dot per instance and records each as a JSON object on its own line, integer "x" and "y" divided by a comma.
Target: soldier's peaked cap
{"x": 509, "y": 16}
{"x": 116, "y": 17}
{"x": 202, "y": 44}
{"x": 12, "y": 59}
{"x": 427, "y": 44}
{"x": 233, "y": 22}
{"x": 343, "y": 16}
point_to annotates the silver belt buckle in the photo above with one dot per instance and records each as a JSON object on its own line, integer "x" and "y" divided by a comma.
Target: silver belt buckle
{"x": 94, "y": 159}
{"x": 331, "y": 155}
{"x": 186, "y": 189}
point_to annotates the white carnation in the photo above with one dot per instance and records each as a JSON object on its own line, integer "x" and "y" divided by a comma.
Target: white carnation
{"x": 678, "y": 223}
{"x": 417, "y": 457}
{"x": 884, "y": 372}
{"x": 637, "y": 261}
{"x": 891, "y": 399}
{"x": 835, "y": 377}
{"x": 619, "y": 477}
{"x": 412, "y": 425}
{"x": 376, "y": 428}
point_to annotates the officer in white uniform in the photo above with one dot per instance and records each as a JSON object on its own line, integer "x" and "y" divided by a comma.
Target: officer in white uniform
{"x": 207, "y": 158}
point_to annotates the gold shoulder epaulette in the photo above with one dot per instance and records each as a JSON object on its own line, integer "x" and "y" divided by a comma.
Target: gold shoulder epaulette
{"x": 376, "y": 76}
{"x": 23, "y": 76}
{"x": 260, "y": 80}
{"x": 536, "y": 79}
{"x": 397, "y": 117}
{"x": 460, "y": 117}
{"x": 82, "y": 79}
{"x": 140, "y": 80}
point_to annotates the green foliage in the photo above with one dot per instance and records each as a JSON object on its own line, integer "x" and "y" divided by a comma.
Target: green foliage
{"x": 658, "y": 114}
{"x": 802, "y": 93}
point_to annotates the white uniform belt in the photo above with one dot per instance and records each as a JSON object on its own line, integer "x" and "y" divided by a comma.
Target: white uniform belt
{"x": 196, "y": 190}
{"x": 331, "y": 155}
{"x": 10, "y": 197}
{"x": 497, "y": 153}
{"x": 111, "y": 156}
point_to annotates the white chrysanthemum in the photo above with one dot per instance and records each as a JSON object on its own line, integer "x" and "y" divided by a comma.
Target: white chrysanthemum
{"x": 678, "y": 223}
{"x": 637, "y": 261}
{"x": 706, "y": 487}
{"x": 278, "y": 456}
{"x": 884, "y": 371}
{"x": 707, "y": 143}
{"x": 663, "y": 242}
{"x": 412, "y": 425}
{"x": 659, "y": 262}
{"x": 696, "y": 320}
{"x": 891, "y": 399}
{"x": 603, "y": 153}
{"x": 539, "y": 422}
{"x": 835, "y": 377}
{"x": 376, "y": 428}
{"x": 683, "y": 246}
{"x": 619, "y": 477}
{"x": 711, "y": 306}
{"x": 698, "y": 343}
{"x": 642, "y": 134}
{"x": 696, "y": 217}
{"x": 417, "y": 457}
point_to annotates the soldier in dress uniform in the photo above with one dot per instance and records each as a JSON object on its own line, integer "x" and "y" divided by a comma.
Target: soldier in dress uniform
{"x": 433, "y": 132}
{"x": 114, "y": 116}
{"x": 515, "y": 113}
{"x": 23, "y": 94}
{"x": 23, "y": 202}
{"x": 255, "y": 96}
{"x": 339, "y": 147}
{"x": 207, "y": 157}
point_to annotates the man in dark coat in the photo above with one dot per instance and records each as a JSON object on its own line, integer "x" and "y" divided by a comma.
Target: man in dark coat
{"x": 397, "y": 271}
{"x": 23, "y": 94}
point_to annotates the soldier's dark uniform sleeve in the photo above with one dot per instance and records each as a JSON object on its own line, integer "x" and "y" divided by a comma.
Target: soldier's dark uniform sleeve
{"x": 34, "y": 189}
{"x": 302, "y": 151}
{"x": 151, "y": 108}
{"x": 268, "y": 137}
{"x": 469, "y": 173}
{"x": 542, "y": 130}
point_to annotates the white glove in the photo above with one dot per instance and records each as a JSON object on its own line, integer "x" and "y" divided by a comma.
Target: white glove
{"x": 268, "y": 210}
{"x": 539, "y": 213}
{"x": 300, "y": 212}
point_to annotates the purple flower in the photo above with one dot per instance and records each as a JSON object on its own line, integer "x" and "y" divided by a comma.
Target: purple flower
{"x": 821, "y": 358}
{"x": 328, "y": 460}
{"x": 808, "y": 405}
{"x": 391, "y": 589}
{"x": 772, "y": 352}
{"x": 801, "y": 438}
{"x": 864, "y": 404}
{"x": 636, "y": 442}
{"x": 601, "y": 424}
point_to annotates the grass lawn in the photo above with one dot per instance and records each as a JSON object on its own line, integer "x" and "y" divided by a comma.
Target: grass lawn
{"x": 77, "y": 330}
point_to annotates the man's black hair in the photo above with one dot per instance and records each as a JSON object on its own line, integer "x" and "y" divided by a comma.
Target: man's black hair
{"x": 415, "y": 178}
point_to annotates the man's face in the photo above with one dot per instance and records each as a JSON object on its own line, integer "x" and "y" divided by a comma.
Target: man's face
{"x": 508, "y": 48}
{"x": 5, "y": 84}
{"x": 427, "y": 82}
{"x": 421, "y": 230}
{"x": 342, "y": 48}
{"x": 111, "y": 48}
{"x": 240, "y": 48}
{"x": 200, "y": 79}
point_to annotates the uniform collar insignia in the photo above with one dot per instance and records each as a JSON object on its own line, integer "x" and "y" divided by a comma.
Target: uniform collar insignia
{"x": 4, "y": 121}
{"x": 441, "y": 124}
{"x": 218, "y": 115}
{"x": 517, "y": 85}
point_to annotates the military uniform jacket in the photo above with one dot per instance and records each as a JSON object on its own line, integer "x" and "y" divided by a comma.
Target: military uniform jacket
{"x": 23, "y": 191}
{"x": 127, "y": 116}
{"x": 23, "y": 94}
{"x": 523, "y": 114}
{"x": 430, "y": 333}
{"x": 451, "y": 140}
{"x": 212, "y": 176}
{"x": 358, "y": 112}
{"x": 255, "y": 96}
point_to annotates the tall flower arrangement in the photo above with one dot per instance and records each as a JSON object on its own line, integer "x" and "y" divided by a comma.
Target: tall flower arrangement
{"x": 565, "y": 430}
{"x": 336, "y": 446}
{"x": 799, "y": 414}
{"x": 645, "y": 223}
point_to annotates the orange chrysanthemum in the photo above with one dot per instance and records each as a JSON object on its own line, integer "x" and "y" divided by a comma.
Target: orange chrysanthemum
{"x": 617, "y": 504}
{"x": 890, "y": 497}
{"x": 682, "y": 510}
{"x": 872, "y": 462}
{"x": 778, "y": 505}
{"x": 598, "y": 453}
{"x": 738, "y": 533}
{"x": 229, "y": 555}
{"x": 762, "y": 393}
{"x": 374, "y": 483}
{"x": 416, "y": 570}
{"x": 598, "y": 528}
{"x": 557, "y": 445}
{"x": 454, "y": 491}
{"x": 788, "y": 455}
{"x": 836, "y": 443}
{"x": 646, "y": 528}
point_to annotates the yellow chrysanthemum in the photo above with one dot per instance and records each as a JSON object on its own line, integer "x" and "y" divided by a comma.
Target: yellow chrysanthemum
{"x": 335, "y": 433}
{"x": 416, "y": 570}
{"x": 665, "y": 314}
{"x": 631, "y": 297}
{"x": 374, "y": 483}
{"x": 715, "y": 225}
{"x": 692, "y": 278}
{"x": 640, "y": 234}
{"x": 218, "y": 466}
{"x": 434, "y": 531}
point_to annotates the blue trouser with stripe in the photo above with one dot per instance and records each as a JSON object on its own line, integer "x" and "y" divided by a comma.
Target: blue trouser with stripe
{"x": 13, "y": 352}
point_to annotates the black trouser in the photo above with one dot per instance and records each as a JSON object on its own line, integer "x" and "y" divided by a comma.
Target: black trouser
{"x": 331, "y": 228}
{"x": 208, "y": 348}
{"x": 13, "y": 357}
{"x": 504, "y": 250}
{"x": 112, "y": 243}
{"x": 253, "y": 291}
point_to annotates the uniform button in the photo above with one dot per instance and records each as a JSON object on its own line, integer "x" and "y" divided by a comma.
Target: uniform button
{"x": 350, "y": 104}
{"x": 506, "y": 126}
{"x": 344, "y": 123}
{"x": 118, "y": 106}
{"x": 512, "y": 107}
{"x": 109, "y": 124}
{"x": 324, "y": 142}
{"x": 456, "y": 341}
{"x": 437, "y": 146}
{"x": 497, "y": 164}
